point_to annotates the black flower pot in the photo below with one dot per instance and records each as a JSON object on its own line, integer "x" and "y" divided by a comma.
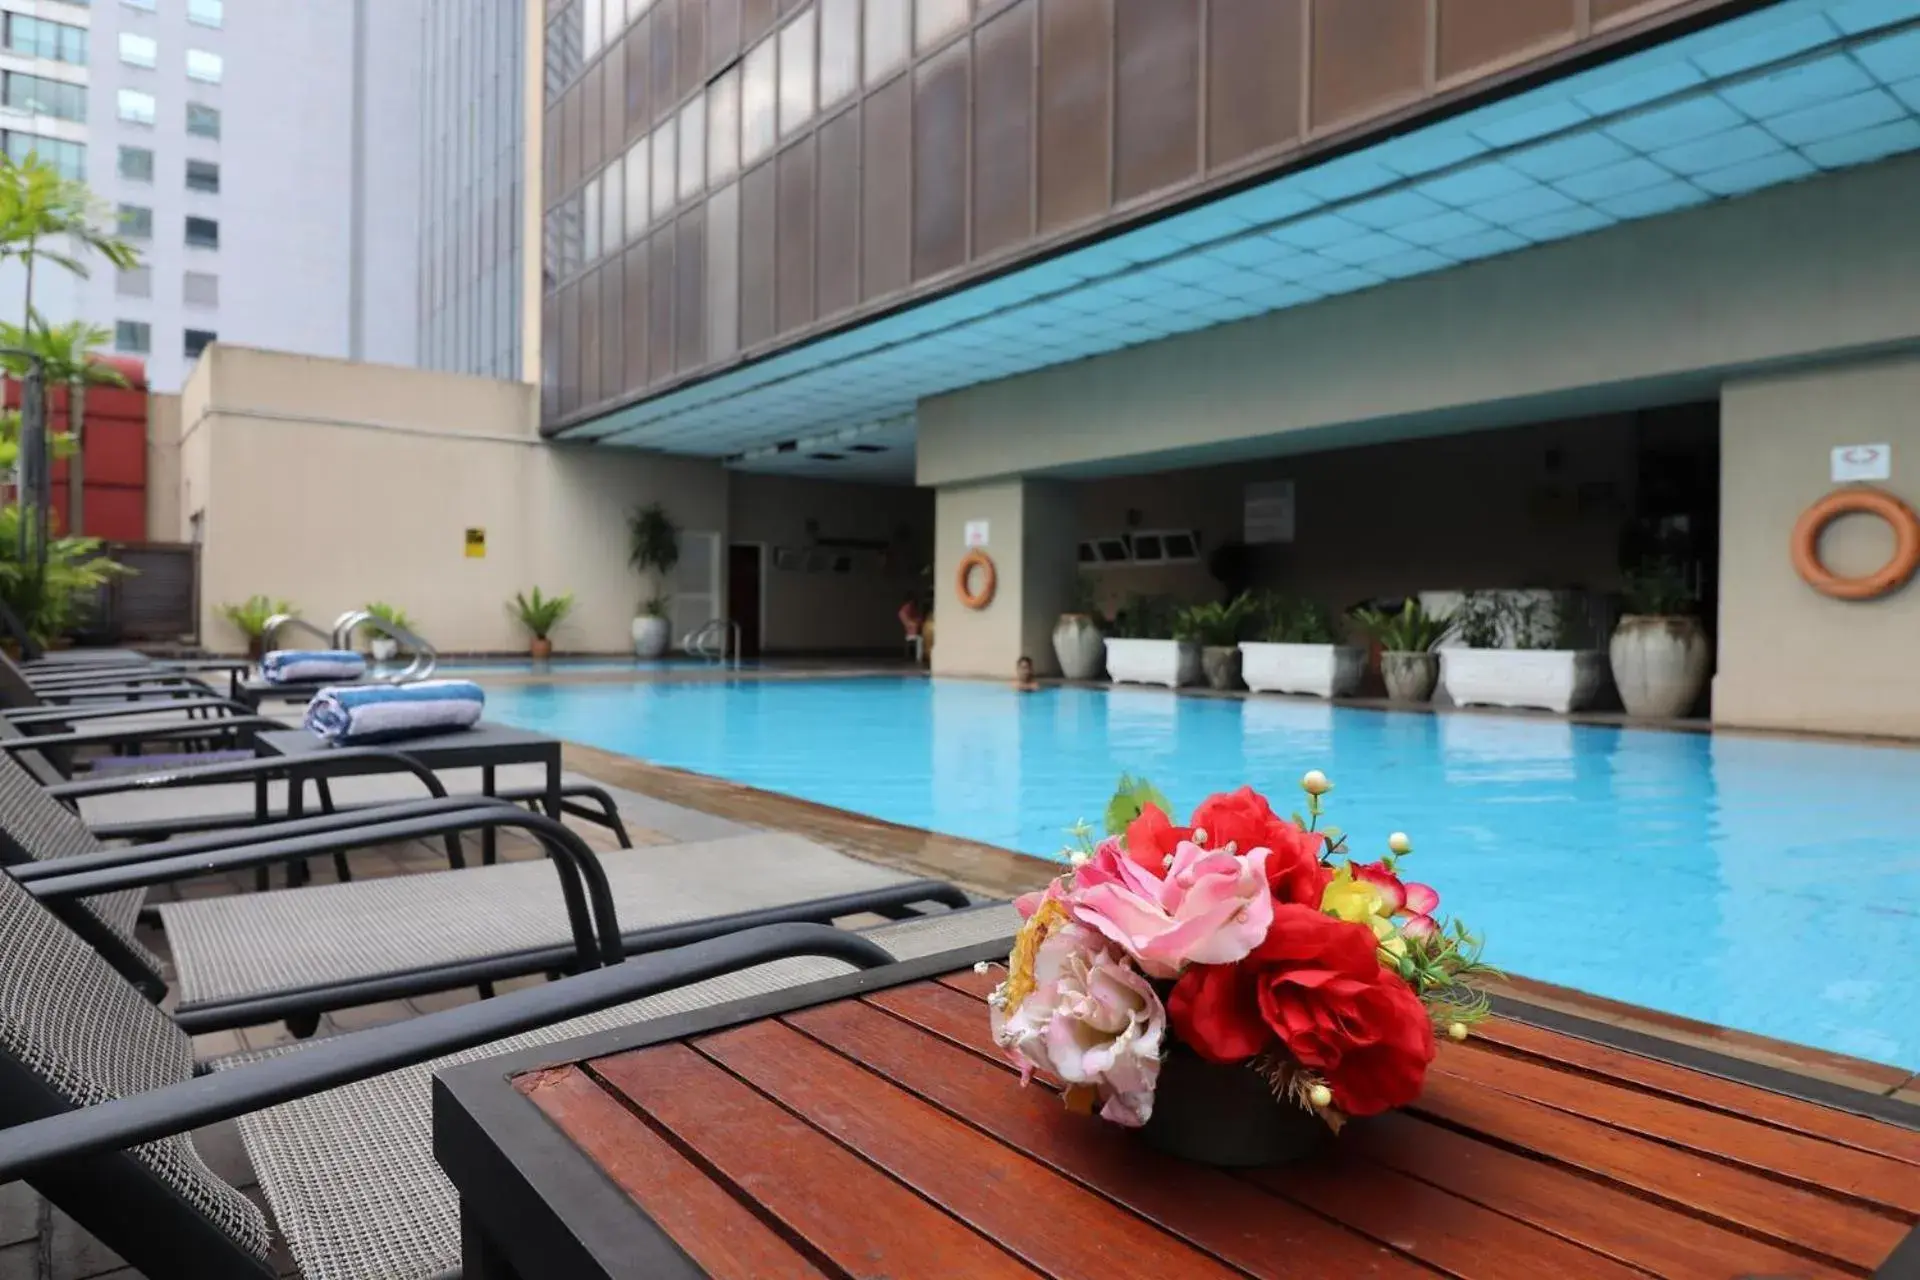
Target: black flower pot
{"x": 1226, "y": 1116}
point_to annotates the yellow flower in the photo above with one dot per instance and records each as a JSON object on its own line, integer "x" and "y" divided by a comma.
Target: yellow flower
{"x": 1351, "y": 899}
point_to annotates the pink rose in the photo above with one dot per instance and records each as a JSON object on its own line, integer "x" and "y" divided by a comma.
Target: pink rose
{"x": 1414, "y": 903}
{"x": 1091, "y": 1019}
{"x": 1211, "y": 907}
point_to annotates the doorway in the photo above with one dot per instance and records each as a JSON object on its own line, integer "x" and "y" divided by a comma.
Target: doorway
{"x": 746, "y": 566}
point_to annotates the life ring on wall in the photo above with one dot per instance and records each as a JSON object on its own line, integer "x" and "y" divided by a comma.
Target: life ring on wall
{"x": 1890, "y": 576}
{"x": 970, "y": 596}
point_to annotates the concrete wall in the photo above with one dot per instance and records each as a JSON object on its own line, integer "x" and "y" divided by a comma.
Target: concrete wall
{"x": 332, "y": 484}
{"x": 1790, "y": 657}
{"x": 833, "y": 612}
{"x": 1644, "y": 313}
{"x": 1541, "y": 505}
{"x": 1030, "y": 538}
{"x": 163, "y": 468}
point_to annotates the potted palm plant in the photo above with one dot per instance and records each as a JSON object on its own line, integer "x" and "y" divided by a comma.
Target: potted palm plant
{"x": 382, "y": 646}
{"x": 1217, "y": 629}
{"x": 1659, "y": 651}
{"x": 250, "y": 618}
{"x": 1407, "y": 640}
{"x": 540, "y": 615}
{"x": 653, "y": 547}
{"x": 1143, "y": 650}
{"x": 1298, "y": 651}
{"x": 1079, "y": 640}
{"x": 1518, "y": 649}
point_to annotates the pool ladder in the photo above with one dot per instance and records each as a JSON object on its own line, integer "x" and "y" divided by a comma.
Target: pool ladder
{"x": 700, "y": 643}
{"x": 424, "y": 656}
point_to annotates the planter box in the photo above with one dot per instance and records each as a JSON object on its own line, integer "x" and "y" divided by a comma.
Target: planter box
{"x": 1323, "y": 670}
{"x": 1167, "y": 662}
{"x": 1550, "y": 679}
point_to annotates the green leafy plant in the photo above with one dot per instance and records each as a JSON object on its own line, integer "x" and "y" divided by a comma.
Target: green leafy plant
{"x": 250, "y": 616}
{"x": 392, "y": 615}
{"x": 46, "y": 217}
{"x": 51, "y": 600}
{"x": 1411, "y": 630}
{"x": 541, "y": 614}
{"x": 1658, "y": 587}
{"x": 653, "y": 545}
{"x": 1215, "y": 625}
{"x": 1280, "y": 620}
{"x": 1145, "y": 618}
{"x": 1086, "y": 601}
{"x": 655, "y": 606}
{"x": 1481, "y": 619}
{"x": 1130, "y": 796}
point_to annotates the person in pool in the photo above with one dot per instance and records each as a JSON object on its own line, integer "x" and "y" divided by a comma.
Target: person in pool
{"x": 1023, "y": 681}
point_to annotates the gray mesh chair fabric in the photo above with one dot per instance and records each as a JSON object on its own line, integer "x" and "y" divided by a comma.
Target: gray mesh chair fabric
{"x": 349, "y": 1174}
{"x": 71, "y": 1026}
{"x": 261, "y": 943}
{"x": 35, "y": 827}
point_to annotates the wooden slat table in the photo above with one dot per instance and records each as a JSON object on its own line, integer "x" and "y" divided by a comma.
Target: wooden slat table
{"x": 867, "y": 1127}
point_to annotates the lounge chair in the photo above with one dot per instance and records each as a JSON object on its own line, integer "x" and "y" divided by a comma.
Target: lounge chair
{"x": 296, "y": 954}
{"x": 97, "y": 1089}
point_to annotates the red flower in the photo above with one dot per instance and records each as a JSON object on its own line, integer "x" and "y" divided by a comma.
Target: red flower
{"x": 1316, "y": 987}
{"x": 1152, "y": 838}
{"x": 1245, "y": 818}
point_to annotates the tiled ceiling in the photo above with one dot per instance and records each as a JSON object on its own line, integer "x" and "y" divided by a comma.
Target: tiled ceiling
{"x": 1784, "y": 93}
{"x": 877, "y": 452}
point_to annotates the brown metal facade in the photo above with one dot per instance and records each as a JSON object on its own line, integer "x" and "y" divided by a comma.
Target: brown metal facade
{"x": 726, "y": 177}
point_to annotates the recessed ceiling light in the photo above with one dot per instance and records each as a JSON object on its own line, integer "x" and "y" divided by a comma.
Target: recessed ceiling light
{"x": 866, "y": 448}
{"x": 828, "y": 457}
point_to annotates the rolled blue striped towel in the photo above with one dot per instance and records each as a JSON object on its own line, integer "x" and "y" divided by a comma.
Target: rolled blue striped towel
{"x": 289, "y": 666}
{"x": 389, "y": 712}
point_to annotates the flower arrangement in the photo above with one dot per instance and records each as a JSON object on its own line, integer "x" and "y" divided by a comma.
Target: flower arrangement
{"x": 1246, "y": 938}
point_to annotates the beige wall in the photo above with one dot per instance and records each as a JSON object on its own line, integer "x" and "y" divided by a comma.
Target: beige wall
{"x": 831, "y": 612}
{"x": 1486, "y": 509}
{"x": 1790, "y": 657}
{"x": 163, "y": 467}
{"x": 332, "y": 484}
{"x": 1642, "y": 313}
{"x": 1030, "y": 528}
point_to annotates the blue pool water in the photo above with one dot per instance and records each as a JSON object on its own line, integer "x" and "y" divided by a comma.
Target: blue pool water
{"x": 1763, "y": 884}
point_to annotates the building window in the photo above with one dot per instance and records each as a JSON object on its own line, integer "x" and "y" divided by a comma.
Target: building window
{"x": 42, "y": 97}
{"x": 38, "y": 38}
{"x": 136, "y": 164}
{"x": 68, "y": 159}
{"x": 203, "y": 66}
{"x": 203, "y": 233}
{"x": 136, "y": 107}
{"x": 203, "y": 175}
{"x": 207, "y": 13}
{"x": 134, "y": 282}
{"x": 203, "y": 121}
{"x": 200, "y": 289}
{"x": 135, "y": 336}
{"x": 199, "y": 340}
{"x": 136, "y": 221}
{"x": 137, "y": 50}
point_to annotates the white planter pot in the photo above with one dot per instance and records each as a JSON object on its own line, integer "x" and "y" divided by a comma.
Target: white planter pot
{"x": 1549, "y": 679}
{"x": 384, "y": 648}
{"x": 1079, "y": 646}
{"x": 1323, "y": 670}
{"x": 650, "y": 636}
{"x": 1167, "y": 662}
{"x": 1659, "y": 664}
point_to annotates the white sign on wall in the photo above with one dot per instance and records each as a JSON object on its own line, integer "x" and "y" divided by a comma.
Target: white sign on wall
{"x": 1862, "y": 462}
{"x": 976, "y": 534}
{"x": 1269, "y": 511}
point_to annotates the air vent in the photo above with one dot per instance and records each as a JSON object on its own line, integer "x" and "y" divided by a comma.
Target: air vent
{"x": 866, "y": 448}
{"x": 1147, "y": 546}
{"x": 828, "y": 457}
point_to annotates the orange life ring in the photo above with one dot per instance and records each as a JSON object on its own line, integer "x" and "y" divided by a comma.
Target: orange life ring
{"x": 963, "y": 580}
{"x": 1890, "y": 576}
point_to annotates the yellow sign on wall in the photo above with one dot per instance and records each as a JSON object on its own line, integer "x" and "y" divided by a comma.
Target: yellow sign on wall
{"x": 476, "y": 544}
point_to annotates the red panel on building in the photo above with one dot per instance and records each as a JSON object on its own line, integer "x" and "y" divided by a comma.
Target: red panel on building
{"x": 113, "y": 458}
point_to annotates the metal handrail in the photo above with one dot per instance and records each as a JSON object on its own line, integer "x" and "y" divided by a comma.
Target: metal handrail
{"x": 270, "y": 632}
{"x": 696, "y": 643}
{"x": 423, "y": 657}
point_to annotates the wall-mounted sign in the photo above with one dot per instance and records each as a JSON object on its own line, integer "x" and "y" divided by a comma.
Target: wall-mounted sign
{"x": 476, "y": 544}
{"x": 976, "y": 534}
{"x": 1269, "y": 512}
{"x": 1853, "y": 462}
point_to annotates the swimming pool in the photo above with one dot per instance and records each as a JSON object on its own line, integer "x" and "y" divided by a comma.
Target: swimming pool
{"x": 1768, "y": 885}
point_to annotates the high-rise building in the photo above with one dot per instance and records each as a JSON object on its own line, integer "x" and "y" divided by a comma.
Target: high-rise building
{"x": 263, "y": 159}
